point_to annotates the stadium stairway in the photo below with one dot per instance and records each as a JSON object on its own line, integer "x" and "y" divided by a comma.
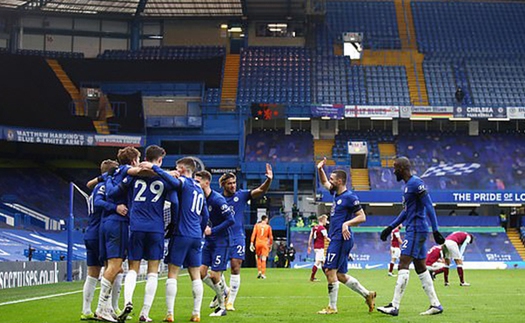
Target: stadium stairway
{"x": 230, "y": 82}
{"x": 405, "y": 24}
{"x": 323, "y": 148}
{"x": 360, "y": 179}
{"x": 387, "y": 151}
{"x": 74, "y": 93}
{"x": 413, "y": 63}
{"x": 514, "y": 237}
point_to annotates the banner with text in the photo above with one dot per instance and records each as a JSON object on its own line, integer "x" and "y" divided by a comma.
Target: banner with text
{"x": 53, "y": 137}
{"x": 332, "y": 111}
{"x": 516, "y": 112}
{"x": 365, "y": 111}
{"x": 441, "y": 197}
{"x": 31, "y": 273}
{"x": 426, "y": 112}
{"x": 480, "y": 112}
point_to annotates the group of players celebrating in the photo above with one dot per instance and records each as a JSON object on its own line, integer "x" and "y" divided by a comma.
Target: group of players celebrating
{"x": 127, "y": 222}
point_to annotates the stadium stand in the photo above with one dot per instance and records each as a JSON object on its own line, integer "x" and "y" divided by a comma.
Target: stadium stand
{"x": 165, "y": 53}
{"x": 275, "y": 146}
{"x": 464, "y": 26}
{"x": 275, "y": 75}
{"x": 33, "y": 97}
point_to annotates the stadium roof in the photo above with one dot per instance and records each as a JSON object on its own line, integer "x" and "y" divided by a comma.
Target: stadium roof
{"x": 259, "y": 9}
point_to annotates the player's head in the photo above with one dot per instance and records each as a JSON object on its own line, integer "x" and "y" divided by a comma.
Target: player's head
{"x": 128, "y": 156}
{"x": 186, "y": 166}
{"x": 107, "y": 164}
{"x": 204, "y": 178}
{"x": 264, "y": 218}
{"x": 338, "y": 178}
{"x": 155, "y": 154}
{"x": 471, "y": 238}
{"x": 322, "y": 219}
{"x": 402, "y": 168}
{"x": 228, "y": 182}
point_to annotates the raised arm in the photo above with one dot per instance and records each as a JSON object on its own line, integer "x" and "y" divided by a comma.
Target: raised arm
{"x": 322, "y": 175}
{"x": 175, "y": 183}
{"x": 261, "y": 190}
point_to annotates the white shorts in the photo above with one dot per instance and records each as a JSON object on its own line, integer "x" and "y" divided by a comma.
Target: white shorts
{"x": 436, "y": 266}
{"x": 395, "y": 252}
{"x": 319, "y": 255}
{"x": 451, "y": 250}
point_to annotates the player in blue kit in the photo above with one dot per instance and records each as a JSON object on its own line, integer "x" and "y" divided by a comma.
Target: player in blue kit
{"x": 417, "y": 203}
{"x": 114, "y": 234}
{"x": 146, "y": 219}
{"x": 185, "y": 247}
{"x": 346, "y": 212}
{"x": 97, "y": 205}
{"x": 218, "y": 237}
{"x": 237, "y": 200}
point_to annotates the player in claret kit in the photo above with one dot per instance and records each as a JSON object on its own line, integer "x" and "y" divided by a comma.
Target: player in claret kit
{"x": 346, "y": 212}
{"x": 435, "y": 261}
{"x": 395, "y": 249}
{"x": 318, "y": 235}
{"x": 417, "y": 204}
{"x": 454, "y": 248}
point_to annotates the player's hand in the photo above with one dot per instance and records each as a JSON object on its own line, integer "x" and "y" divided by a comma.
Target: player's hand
{"x": 269, "y": 171}
{"x": 174, "y": 173}
{"x": 438, "y": 237}
{"x": 146, "y": 165}
{"x": 122, "y": 209}
{"x": 346, "y": 232}
{"x": 321, "y": 163}
{"x": 207, "y": 231}
{"x": 386, "y": 232}
{"x": 309, "y": 250}
{"x": 252, "y": 247}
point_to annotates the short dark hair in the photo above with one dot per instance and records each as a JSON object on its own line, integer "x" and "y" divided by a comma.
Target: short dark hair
{"x": 126, "y": 155}
{"x": 107, "y": 165}
{"x": 340, "y": 174}
{"x": 226, "y": 177}
{"x": 154, "y": 152}
{"x": 264, "y": 217}
{"x": 187, "y": 162}
{"x": 204, "y": 174}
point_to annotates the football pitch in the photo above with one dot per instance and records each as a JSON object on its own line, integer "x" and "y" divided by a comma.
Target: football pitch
{"x": 288, "y": 296}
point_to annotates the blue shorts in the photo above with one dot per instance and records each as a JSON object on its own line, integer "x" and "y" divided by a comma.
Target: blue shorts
{"x": 184, "y": 251}
{"x": 414, "y": 245}
{"x": 215, "y": 257}
{"x": 238, "y": 248}
{"x": 146, "y": 245}
{"x": 337, "y": 255}
{"x": 93, "y": 253}
{"x": 114, "y": 239}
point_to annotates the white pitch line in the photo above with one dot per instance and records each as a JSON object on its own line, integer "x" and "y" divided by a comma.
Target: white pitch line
{"x": 59, "y": 295}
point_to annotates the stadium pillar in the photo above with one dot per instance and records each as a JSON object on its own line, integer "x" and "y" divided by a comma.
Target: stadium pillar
{"x": 295, "y": 188}
{"x": 134, "y": 43}
{"x": 70, "y": 227}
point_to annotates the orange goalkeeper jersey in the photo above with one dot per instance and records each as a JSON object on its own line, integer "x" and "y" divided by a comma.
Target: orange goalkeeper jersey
{"x": 262, "y": 234}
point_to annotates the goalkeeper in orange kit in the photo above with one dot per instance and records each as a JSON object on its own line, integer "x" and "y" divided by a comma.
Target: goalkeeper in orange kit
{"x": 261, "y": 242}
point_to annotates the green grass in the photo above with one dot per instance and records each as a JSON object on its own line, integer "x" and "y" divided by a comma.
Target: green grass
{"x": 288, "y": 296}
